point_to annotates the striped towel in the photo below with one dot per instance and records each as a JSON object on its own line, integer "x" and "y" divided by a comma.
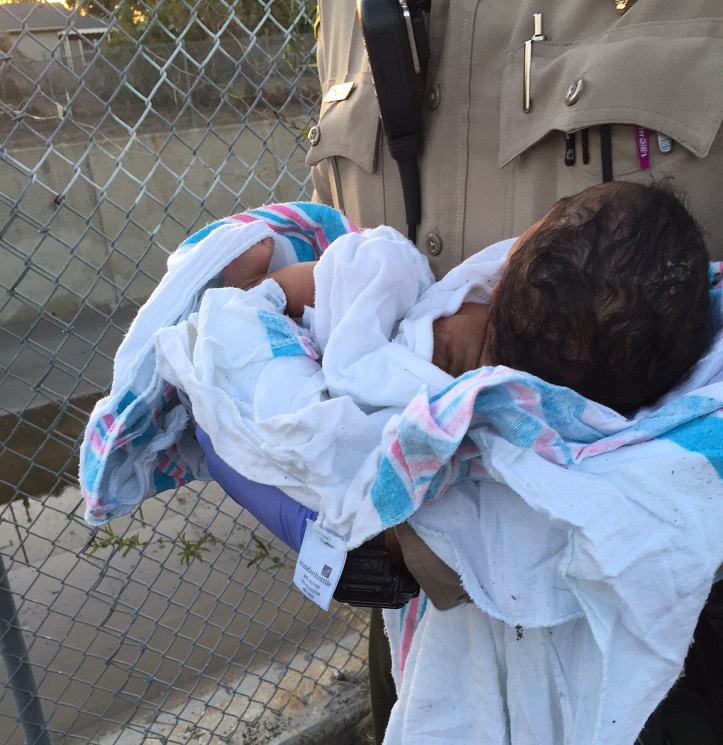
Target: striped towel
{"x": 303, "y": 406}
{"x": 136, "y": 442}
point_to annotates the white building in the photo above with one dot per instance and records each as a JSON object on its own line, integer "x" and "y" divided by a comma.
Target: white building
{"x": 40, "y": 31}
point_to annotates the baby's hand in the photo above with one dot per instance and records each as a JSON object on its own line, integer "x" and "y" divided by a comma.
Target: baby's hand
{"x": 251, "y": 267}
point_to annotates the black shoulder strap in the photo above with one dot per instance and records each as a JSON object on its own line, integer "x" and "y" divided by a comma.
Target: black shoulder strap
{"x": 396, "y": 40}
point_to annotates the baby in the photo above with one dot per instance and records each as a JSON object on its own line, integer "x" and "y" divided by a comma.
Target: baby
{"x": 606, "y": 294}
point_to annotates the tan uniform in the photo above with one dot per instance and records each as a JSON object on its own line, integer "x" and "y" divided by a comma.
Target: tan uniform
{"x": 489, "y": 169}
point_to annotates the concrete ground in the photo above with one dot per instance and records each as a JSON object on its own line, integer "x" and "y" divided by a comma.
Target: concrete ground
{"x": 51, "y": 374}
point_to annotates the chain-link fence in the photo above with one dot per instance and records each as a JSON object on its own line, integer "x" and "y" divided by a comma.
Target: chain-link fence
{"x": 123, "y": 131}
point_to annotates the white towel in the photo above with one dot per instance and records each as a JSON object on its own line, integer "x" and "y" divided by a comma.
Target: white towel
{"x": 587, "y": 542}
{"x": 136, "y": 441}
{"x": 279, "y": 415}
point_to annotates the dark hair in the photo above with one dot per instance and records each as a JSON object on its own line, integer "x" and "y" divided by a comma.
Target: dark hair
{"x": 608, "y": 297}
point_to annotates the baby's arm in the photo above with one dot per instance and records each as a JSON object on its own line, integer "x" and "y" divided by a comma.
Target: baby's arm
{"x": 252, "y": 267}
{"x": 459, "y": 339}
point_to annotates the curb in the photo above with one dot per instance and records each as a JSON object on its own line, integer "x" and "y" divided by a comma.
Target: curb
{"x": 332, "y": 722}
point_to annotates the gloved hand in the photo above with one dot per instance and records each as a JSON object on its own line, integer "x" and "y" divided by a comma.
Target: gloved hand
{"x": 284, "y": 517}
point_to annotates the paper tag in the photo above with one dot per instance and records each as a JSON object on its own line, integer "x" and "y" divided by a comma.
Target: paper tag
{"x": 318, "y": 568}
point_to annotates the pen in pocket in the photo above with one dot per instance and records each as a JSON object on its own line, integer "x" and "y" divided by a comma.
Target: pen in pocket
{"x": 570, "y": 155}
{"x": 642, "y": 139}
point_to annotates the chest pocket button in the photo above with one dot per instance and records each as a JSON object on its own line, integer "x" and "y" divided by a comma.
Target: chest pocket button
{"x": 574, "y": 92}
{"x": 314, "y": 135}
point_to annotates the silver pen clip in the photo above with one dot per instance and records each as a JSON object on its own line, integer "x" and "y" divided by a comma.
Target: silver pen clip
{"x": 526, "y": 71}
{"x": 527, "y": 62}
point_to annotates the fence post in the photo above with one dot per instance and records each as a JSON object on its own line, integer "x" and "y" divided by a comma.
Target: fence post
{"x": 20, "y": 674}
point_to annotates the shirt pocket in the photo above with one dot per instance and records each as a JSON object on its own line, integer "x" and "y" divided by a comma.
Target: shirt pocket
{"x": 348, "y": 126}
{"x": 664, "y": 76}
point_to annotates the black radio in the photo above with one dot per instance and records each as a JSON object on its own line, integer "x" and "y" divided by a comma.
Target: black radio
{"x": 369, "y": 580}
{"x": 396, "y": 40}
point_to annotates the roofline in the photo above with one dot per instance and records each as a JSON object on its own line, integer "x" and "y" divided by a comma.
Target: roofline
{"x": 100, "y": 30}
{"x": 81, "y": 31}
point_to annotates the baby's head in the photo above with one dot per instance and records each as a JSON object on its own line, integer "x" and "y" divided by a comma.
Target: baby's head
{"x": 607, "y": 295}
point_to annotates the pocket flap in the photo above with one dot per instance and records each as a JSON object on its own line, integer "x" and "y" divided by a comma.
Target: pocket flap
{"x": 665, "y": 76}
{"x": 348, "y": 127}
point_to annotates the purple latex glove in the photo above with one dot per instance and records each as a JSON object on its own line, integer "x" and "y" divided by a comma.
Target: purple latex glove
{"x": 284, "y": 517}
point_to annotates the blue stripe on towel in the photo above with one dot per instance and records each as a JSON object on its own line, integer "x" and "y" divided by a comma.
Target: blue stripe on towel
{"x": 389, "y": 496}
{"x": 199, "y": 235}
{"x": 163, "y": 482}
{"x": 309, "y": 227}
{"x": 499, "y": 407}
{"x": 284, "y": 342}
{"x": 334, "y": 223}
{"x": 702, "y": 436}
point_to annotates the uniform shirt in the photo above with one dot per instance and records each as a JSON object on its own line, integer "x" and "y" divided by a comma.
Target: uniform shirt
{"x": 488, "y": 169}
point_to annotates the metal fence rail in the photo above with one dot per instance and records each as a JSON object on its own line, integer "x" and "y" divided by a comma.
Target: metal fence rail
{"x": 123, "y": 132}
